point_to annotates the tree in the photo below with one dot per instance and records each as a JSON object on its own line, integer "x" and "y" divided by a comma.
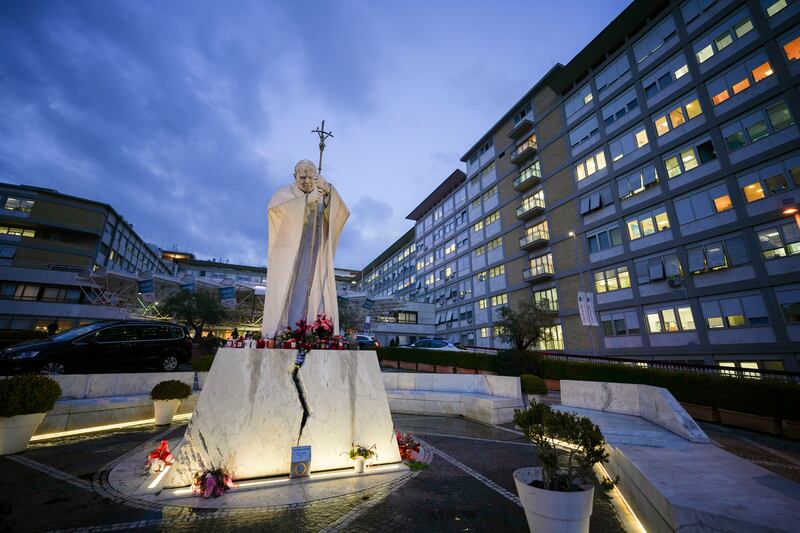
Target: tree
{"x": 348, "y": 314}
{"x": 524, "y": 326}
{"x": 195, "y": 309}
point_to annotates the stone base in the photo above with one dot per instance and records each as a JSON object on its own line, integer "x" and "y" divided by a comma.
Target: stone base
{"x": 249, "y": 414}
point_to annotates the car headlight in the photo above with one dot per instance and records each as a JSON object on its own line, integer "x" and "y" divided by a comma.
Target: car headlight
{"x": 24, "y": 355}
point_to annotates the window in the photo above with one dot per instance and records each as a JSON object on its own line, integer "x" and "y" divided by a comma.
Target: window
{"x": 657, "y": 268}
{"x": 771, "y": 180}
{"x": 542, "y": 265}
{"x": 494, "y": 243}
{"x": 628, "y": 142}
{"x": 789, "y": 300}
{"x": 779, "y": 241}
{"x": 578, "y": 101}
{"x": 612, "y": 279}
{"x": 664, "y": 76}
{"x": 620, "y": 106}
{"x": 584, "y": 133}
{"x": 604, "y": 239}
{"x": 773, "y": 7}
{"x": 494, "y": 217}
{"x": 537, "y": 232}
{"x": 460, "y": 196}
{"x": 548, "y": 300}
{"x": 17, "y": 232}
{"x": 484, "y": 333}
{"x": 610, "y": 77}
{"x": 733, "y": 28}
{"x": 450, "y": 248}
{"x": 790, "y": 44}
{"x": 21, "y": 205}
{"x": 650, "y": 42}
{"x": 20, "y": 292}
{"x": 489, "y": 193}
{"x": 499, "y": 270}
{"x": 620, "y": 324}
{"x": 637, "y": 182}
{"x": 478, "y": 226}
{"x": 590, "y": 165}
{"x": 717, "y": 255}
{"x": 529, "y": 202}
{"x": 437, "y": 215}
{"x": 483, "y": 304}
{"x": 499, "y": 299}
{"x": 703, "y": 204}
{"x": 596, "y": 200}
{"x": 531, "y": 171}
{"x": 670, "y": 319}
{"x": 530, "y": 142}
{"x": 677, "y": 114}
{"x": 522, "y": 114}
{"x": 690, "y": 157}
{"x": 647, "y": 223}
{"x": 735, "y": 312}
{"x": 480, "y": 250}
{"x": 691, "y": 9}
{"x": 739, "y": 78}
{"x": 552, "y": 338}
{"x": 60, "y": 294}
{"x": 757, "y": 126}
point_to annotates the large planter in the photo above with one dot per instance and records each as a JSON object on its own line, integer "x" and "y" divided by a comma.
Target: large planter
{"x": 550, "y": 511}
{"x": 358, "y": 465}
{"x": 701, "y": 412}
{"x": 406, "y": 365}
{"x": 791, "y": 429}
{"x": 425, "y": 367}
{"x": 553, "y": 384}
{"x": 442, "y": 369}
{"x": 16, "y": 432}
{"x": 765, "y": 424}
{"x": 165, "y": 410}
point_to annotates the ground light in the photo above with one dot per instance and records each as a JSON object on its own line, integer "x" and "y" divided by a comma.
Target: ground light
{"x": 96, "y": 429}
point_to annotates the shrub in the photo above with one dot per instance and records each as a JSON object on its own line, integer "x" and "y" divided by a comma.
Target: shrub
{"x": 515, "y": 363}
{"x": 763, "y": 397}
{"x": 27, "y": 394}
{"x": 532, "y": 384}
{"x": 463, "y": 359}
{"x": 209, "y": 344}
{"x": 203, "y": 363}
{"x": 171, "y": 390}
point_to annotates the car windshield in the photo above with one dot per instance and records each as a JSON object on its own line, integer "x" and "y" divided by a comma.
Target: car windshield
{"x": 74, "y": 333}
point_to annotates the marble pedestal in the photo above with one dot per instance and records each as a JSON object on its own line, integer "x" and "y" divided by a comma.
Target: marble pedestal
{"x": 249, "y": 414}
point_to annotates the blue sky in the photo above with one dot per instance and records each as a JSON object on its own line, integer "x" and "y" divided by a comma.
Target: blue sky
{"x": 187, "y": 115}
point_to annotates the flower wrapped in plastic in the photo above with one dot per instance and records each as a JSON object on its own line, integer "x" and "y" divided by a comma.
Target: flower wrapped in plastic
{"x": 322, "y": 327}
{"x": 407, "y": 444}
{"x": 158, "y": 459}
{"x": 212, "y": 483}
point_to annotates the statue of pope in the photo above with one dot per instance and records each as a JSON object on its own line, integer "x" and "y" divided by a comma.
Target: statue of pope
{"x": 305, "y": 221}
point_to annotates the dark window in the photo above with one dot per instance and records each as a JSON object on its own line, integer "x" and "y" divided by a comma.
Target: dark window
{"x": 706, "y": 152}
{"x": 113, "y": 334}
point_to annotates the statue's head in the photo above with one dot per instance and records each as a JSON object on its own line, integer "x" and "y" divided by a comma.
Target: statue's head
{"x": 305, "y": 175}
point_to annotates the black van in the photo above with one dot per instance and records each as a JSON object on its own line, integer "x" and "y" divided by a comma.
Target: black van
{"x": 108, "y": 346}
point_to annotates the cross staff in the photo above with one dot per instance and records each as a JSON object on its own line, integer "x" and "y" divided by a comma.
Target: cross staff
{"x": 322, "y": 136}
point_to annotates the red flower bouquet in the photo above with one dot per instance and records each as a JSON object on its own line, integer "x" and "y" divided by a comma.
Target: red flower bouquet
{"x": 212, "y": 483}
{"x": 407, "y": 445}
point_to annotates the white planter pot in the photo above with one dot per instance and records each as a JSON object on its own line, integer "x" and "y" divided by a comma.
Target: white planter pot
{"x": 358, "y": 465}
{"x": 550, "y": 511}
{"x": 165, "y": 410}
{"x": 16, "y": 432}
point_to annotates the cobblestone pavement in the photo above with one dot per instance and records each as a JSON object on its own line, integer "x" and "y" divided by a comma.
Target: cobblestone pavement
{"x": 61, "y": 485}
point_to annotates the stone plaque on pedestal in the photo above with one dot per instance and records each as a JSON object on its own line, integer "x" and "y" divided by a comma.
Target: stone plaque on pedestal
{"x": 250, "y": 414}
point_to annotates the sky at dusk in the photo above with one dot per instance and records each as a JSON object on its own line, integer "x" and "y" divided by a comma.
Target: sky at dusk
{"x": 186, "y": 116}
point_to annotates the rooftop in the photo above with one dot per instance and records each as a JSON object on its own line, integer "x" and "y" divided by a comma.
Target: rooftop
{"x": 439, "y": 193}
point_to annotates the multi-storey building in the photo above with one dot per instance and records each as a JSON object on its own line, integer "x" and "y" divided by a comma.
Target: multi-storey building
{"x": 393, "y": 272}
{"x": 659, "y": 169}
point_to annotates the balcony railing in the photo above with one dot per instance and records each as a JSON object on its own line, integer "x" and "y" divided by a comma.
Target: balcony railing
{"x": 536, "y": 273}
{"x": 534, "y": 239}
{"x": 522, "y": 126}
{"x": 524, "y": 150}
{"x": 530, "y": 207}
{"x": 528, "y": 177}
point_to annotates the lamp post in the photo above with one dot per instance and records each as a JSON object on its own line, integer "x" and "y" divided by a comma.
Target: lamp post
{"x": 583, "y": 289}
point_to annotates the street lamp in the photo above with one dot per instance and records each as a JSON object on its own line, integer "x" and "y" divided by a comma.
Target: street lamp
{"x": 575, "y": 240}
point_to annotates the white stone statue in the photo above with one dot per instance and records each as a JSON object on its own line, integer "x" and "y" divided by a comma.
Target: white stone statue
{"x": 305, "y": 222}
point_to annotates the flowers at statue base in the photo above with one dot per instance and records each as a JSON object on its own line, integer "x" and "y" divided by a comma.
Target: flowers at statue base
{"x": 158, "y": 459}
{"x": 317, "y": 335}
{"x": 359, "y": 450}
{"x": 407, "y": 444}
{"x": 322, "y": 327}
{"x": 212, "y": 483}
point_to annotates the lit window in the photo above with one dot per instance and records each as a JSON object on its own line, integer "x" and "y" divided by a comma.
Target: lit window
{"x": 792, "y": 49}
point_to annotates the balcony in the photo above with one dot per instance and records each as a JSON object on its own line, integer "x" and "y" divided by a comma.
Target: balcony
{"x": 538, "y": 273}
{"x": 522, "y": 127}
{"x": 534, "y": 239}
{"x": 531, "y": 207}
{"x": 528, "y": 177}
{"x": 524, "y": 150}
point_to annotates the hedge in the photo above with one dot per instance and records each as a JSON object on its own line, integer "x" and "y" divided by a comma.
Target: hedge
{"x": 27, "y": 394}
{"x": 171, "y": 390}
{"x": 763, "y": 397}
{"x": 462, "y": 359}
{"x": 532, "y": 384}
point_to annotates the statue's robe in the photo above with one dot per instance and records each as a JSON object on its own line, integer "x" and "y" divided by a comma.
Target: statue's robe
{"x": 300, "y": 267}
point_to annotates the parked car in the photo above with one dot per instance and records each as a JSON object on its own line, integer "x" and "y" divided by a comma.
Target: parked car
{"x": 367, "y": 342}
{"x": 436, "y": 344}
{"x": 118, "y": 346}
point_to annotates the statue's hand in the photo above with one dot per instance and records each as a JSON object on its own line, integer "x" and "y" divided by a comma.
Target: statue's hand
{"x": 323, "y": 185}
{"x": 314, "y": 197}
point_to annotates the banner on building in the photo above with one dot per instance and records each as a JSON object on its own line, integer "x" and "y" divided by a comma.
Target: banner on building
{"x": 147, "y": 291}
{"x": 227, "y": 296}
{"x": 586, "y": 308}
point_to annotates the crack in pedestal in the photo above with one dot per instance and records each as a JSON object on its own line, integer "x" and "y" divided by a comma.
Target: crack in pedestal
{"x": 301, "y": 396}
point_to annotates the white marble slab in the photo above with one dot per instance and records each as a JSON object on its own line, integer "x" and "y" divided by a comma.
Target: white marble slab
{"x": 249, "y": 414}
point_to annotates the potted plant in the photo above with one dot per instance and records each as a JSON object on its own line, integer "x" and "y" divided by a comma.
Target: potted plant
{"x": 533, "y": 387}
{"x": 24, "y": 400}
{"x": 558, "y": 495}
{"x": 359, "y": 454}
{"x": 167, "y": 396}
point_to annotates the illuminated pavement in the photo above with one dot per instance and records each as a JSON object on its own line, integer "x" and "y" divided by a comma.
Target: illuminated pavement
{"x": 62, "y": 485}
